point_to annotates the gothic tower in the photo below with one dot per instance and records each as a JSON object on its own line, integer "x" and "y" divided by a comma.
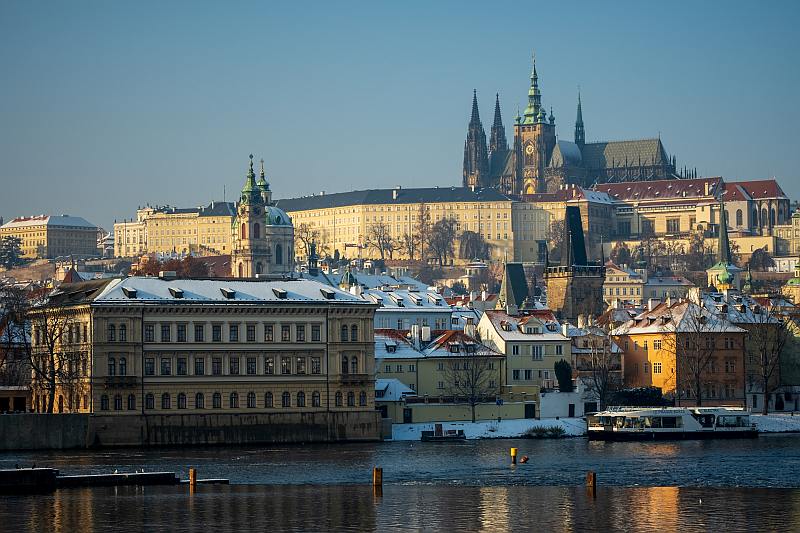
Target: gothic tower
{"x": 263, "y": 235}
{"x": 580, "y": 134}
{"x": 497, "y": 138}
{"x": 534, "y": 140}
{"x": 476, "y": 158}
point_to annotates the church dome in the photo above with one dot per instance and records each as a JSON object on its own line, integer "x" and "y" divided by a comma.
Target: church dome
{"x": 276, "y": 216}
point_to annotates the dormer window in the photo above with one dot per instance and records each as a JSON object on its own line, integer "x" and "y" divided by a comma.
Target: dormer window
{"x": 176, "y": 292}
{"x": 281, "y": 294}
{"x": 453, "y": 347}
{"x": 230, "y": 294}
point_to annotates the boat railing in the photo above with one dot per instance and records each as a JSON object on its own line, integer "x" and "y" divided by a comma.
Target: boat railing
{"x": 617, "y": 408}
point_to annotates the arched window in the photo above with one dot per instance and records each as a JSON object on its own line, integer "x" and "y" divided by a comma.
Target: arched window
{"x": 256, "y": 230}
{"x": 244, "y": 230}
{"x": 259, "y": 268}
{"x": 278, "y": 254}
{"x": 112, "y": 366}
{"x": 315, "y": 399}
{"x": 233, "y": 401}
{"x": 301, "y": 399}
{"x": 251, "y": 400}
{"x": 351, "y": 399}
{"x": 181, "y": 400}
{"x": 739, "y": 218}
{"x": 268, "y": 400}
{"x": 241, "y": 270}
{"x": 344, "y": 334}
{"x": 772, "y": 217}
{"x": 345, "y": 368}
{"x": 216, "y": 401}
{"x": 103, "y": 403}
{"x": 362, "y": 399}
{"x": 118, "y": 402}
{"x": 353, "y": 333}
{"x": 131, "y": 402}
{"x": 354, "y": 365}
{"x": 763, "y": 217}
{"x": 338, "y": 399}
{"x": 165, "y": 401}
{"x": 199, "y": 401}
{"x": 754, "y": 220}
{"x": 112, "y": 333}
{"x": 123, "y": 366}
{"x": 123, "y": 332}
{"x": 286, "y": 400}
{"x": 149, "y": 401}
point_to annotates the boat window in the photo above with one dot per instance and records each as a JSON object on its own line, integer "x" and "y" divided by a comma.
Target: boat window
{"x": 669, "y": 421}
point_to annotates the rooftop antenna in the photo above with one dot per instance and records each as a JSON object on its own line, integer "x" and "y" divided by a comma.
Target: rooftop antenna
{"x": 223, "y": 192}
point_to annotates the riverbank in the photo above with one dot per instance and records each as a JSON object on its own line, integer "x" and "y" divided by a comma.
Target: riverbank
{"x": 573, "y": 427}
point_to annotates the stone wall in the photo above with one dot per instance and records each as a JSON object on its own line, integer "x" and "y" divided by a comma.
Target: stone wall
{"x": 55, "y": 432}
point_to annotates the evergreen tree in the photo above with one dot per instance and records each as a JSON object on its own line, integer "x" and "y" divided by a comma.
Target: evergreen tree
{"x": 564, "y": 375}
{"x": 11, "y": 252}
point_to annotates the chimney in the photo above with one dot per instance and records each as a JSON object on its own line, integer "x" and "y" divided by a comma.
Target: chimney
{"x": 415, "y": 333}
{"x": 167, "y": 274}
{"x": 471, "y": 296}
{"x": 652, "y": 303}
{"x": 581, "y": 321}
{"x": 396, "y": 192}
{"x": 694, "y": 295}
{"x": 565, "y": 329}
{"x": 483, "y": 295}
{"x": 469, "y": 329}
{"x": 706, "y": 184}
{"x": 511, "y": 310}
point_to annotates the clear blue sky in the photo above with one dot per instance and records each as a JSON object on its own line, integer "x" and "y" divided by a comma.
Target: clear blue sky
{"x": 105, "y": 106}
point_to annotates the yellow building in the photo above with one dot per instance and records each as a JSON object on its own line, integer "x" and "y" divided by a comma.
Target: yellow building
{"x": 173, "y": 346}
{"x": 49, "y": 236}
{"x": 169, "y": 230}
{"x": 343, "y": 221}
{"x": 637, "y": 286}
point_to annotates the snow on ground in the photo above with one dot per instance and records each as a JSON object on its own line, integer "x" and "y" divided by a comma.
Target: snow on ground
{"x": 776, "y": 423}
{"x": 491, "y": 429}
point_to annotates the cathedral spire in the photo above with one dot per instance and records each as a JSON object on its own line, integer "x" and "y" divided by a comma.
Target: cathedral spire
{"x": 475, "y": 119}
{"x": 476, "y": 157}
{"x": 723, "y": 245}
{"x": 580, "y": 134}
{"x": 497, "y": 138}
{"x": 532, "y": 111}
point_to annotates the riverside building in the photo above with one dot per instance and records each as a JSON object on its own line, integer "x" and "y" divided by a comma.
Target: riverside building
{"x": 50, "y": 236}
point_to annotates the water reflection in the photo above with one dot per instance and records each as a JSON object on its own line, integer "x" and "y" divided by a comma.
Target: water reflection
{"x": 403, "y": 507}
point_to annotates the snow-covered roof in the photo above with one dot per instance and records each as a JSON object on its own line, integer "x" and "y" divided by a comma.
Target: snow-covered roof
{"x": 49, "y": 220}
{"x": 393, "y": 390}
{"x": 523, "y": 327}
{"x": 682, "y": 317}
{"x": 412, "y": 301}
{"x": 397, "y": 344}
{"x": 176, "y": 291}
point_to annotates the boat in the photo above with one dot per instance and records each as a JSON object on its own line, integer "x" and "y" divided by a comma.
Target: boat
{"x": 441, "y": 434}
{"x": 670, "y": 423}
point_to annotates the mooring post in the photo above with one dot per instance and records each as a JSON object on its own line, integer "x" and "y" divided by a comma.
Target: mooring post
{"x": 513, "y": 456}
{"x": 377, "y": 481}
{"x": 591, "y": 479}
{"x": 192, "y": 477}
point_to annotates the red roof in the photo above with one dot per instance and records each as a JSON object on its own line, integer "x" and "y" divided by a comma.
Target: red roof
{"x": 661, "y": 189}
{"x": 734, "y": 192}
{"x": 760, "y": 189}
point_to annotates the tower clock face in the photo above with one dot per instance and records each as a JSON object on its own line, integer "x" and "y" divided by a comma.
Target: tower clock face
{"x": 529, "y": 149}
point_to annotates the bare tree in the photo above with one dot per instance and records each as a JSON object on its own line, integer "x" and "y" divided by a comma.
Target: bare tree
{"x": 407, "y": 244}
{"x": 472, "y": 377}
{"x": 599, "y": 368}
{"x": 422, "y": 229}
{"x": 555, "y": 239}
{"x": 767, "y": 336}
{"x": 380, "y": 238}
{"x": 14, "y": 370}
{"x": 305, "y": 234}
{"x": 473, "y": 246}
{"x": 442, "y": 238}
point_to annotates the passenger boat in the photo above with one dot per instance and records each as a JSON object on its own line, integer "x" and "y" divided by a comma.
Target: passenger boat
{"x": 655, "y": 423}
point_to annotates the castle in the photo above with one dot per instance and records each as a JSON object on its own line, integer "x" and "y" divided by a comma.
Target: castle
{"x": 538, "y": 162}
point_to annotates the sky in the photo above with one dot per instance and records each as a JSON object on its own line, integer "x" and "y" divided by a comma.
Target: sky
{"x": 106, "y": 106}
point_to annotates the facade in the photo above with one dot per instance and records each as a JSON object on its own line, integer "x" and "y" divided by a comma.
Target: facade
{"x": 172, "y": 346}
{"x": 636, "y": 286}
{"x": 537, "y": 162}
{"x": 788, "y": 236}
{"x": 757, "y": 206}
{"x": 50, "y": 236}
{"x": 401, "y": 309}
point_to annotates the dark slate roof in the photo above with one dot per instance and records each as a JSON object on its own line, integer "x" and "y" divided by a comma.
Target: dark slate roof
{"x": 217, "y": 209}
{"x": 566, "y": 153}
{"x": 502, "y": 164}
{"x": 614, "y": 154}
{"x": 514, "y": 288}
{"x": 384, "y": 196}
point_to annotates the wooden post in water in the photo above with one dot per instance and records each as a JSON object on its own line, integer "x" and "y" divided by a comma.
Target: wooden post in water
{"x": 192, "y": 477}
{"x": 513, "y": 456}
{"x": 377, "y": 481}
{"x": 591, "y": 483}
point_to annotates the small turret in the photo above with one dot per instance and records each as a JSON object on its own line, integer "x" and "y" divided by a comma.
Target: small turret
{"x": 251, "y": 193}
{"x": 263, "y": 186}
{"x": 580, "y": 134}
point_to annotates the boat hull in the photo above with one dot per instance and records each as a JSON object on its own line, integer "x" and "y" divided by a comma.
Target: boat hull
{"x": 670, "y": 435}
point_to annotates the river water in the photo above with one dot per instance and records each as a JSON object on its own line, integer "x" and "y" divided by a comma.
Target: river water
{"x": 736, "y": 485}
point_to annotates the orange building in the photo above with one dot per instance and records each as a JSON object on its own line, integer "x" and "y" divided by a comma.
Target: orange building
{"x": 692, "y": 354}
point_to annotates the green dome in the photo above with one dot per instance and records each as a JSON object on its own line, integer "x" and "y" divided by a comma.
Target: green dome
{"x": 276, "y": 216}
{"x": 725, "y": 277}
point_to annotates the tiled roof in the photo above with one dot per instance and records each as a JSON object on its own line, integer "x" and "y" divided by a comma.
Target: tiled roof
{"x": 761, "y": 189}
{"x": 549, "y": 328}
{"x": 567, "y": 194}
{"x": 662, "y": 189}
{"x": 612, "y": 154}
{"x": 682, "y": 317}
{"x": 566, "y": 153}
{"x": 735, "y": 193}
{"x": 386, "y": 196}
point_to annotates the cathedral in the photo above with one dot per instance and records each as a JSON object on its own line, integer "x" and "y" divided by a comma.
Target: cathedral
{"x": 263, "y": 235}
{"x": 539, "y": 162}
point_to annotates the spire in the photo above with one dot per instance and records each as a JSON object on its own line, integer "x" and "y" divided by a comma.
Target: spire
{"x": 580, "y": 134}
{"x": 475, "y": 118}
{"x": 476, "y": 157}
{"x": 262, "y": 178}
{"x": 250, "y": 189}
{"x": 533, "y": 109}
{"x": 497, "y": 138}
{"x": 723, "y": 247}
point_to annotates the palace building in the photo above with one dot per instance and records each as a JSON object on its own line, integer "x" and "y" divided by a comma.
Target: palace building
{"x": 50, "y": 236}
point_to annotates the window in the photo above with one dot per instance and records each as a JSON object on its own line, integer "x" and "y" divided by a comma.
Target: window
{"x": 644, "y": 344}
{"x": 199, "y": 401}
{"x": 515, "y": 349}
{"x": 440, "y": 366}
{"x": 165, "y": 332}
{"x": 646, "y": 367}
{"x": 338, "y": 399}
{"x": 398, "y": 368}
{"x": 730, "y": 366}
{"x": 165, "y": 401}
{"x": 657, "y": 344}
{"x": 537, "y": 351}
{"x": 345, "y": 363}
{"x": 216, "y": 366}
{"x": 233, "y": 400}
{"x": 354, "y": 333}
{"x": 233, "y": 332}
{"x": 251, "y": 400}
{"x": 104, "y": 402}
{"x": 515, "y": 375}
{"x": 131, "y": 402}
{"x": 362, "y": 399}
{"x": 123, "y": 366}
{"x": 166, "y": 366}
{"x": 300, "y": 332}
{"x": 251, "y": 366}
{"x": 301, "y": 365}
{"x": 315, "y": 399}
{"x": 269, "y": 366}
{"x": 286, "y": 335}
{"x": 216, "y": 401}
{"x": 118, "y": 402}
{"x": 316, "y": 366}
{"x": 559, "y": 349}
{"x": 199, "y": 332}
{"x": 343, "y": 336}
{"x": 182, "y": 366}
{"x": 656, "y": 368}
{"x": 301, "y": 399}
{"x": 412, "y": 368}
{"x": 440, "y": 385}
{"x": 354, "y": 365}
{"x": 149, "y": 401}
{"x": 251, "y": 333}
{"x": 181, "y": 400}
{"x": 123, "y": 333}
{"x": 269, "y": 332}
{"x": 112, "y": 333}
{"x": 268, "y": 399}
{"x": 216, "y": 333}
{"x": 286, "y": 365}
{"x": 199, "y": 366}
{"x": 233, "y": 366}
{"x": 315, "y": 333}
{"x": 181, "y": 337}
{"x": 528, "y": 375}
{"x": 112, "y": 366}
{"x": 286, "y": 400}
{"x": 673, "y": 225}
{"x": 351, "y": 399}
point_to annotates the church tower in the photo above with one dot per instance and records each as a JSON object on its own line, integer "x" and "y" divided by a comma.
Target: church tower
{"x": 724, "y": 274}
{"x": 263, "y": 235}
{"x": 580, "y": 134}
{"x": 476, "y": 158}
{"x": 535, "y": 139}
{"x": 497, "y": 138}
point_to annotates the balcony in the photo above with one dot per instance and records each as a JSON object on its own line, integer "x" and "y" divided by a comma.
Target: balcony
{"x": 121, "y": 382}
